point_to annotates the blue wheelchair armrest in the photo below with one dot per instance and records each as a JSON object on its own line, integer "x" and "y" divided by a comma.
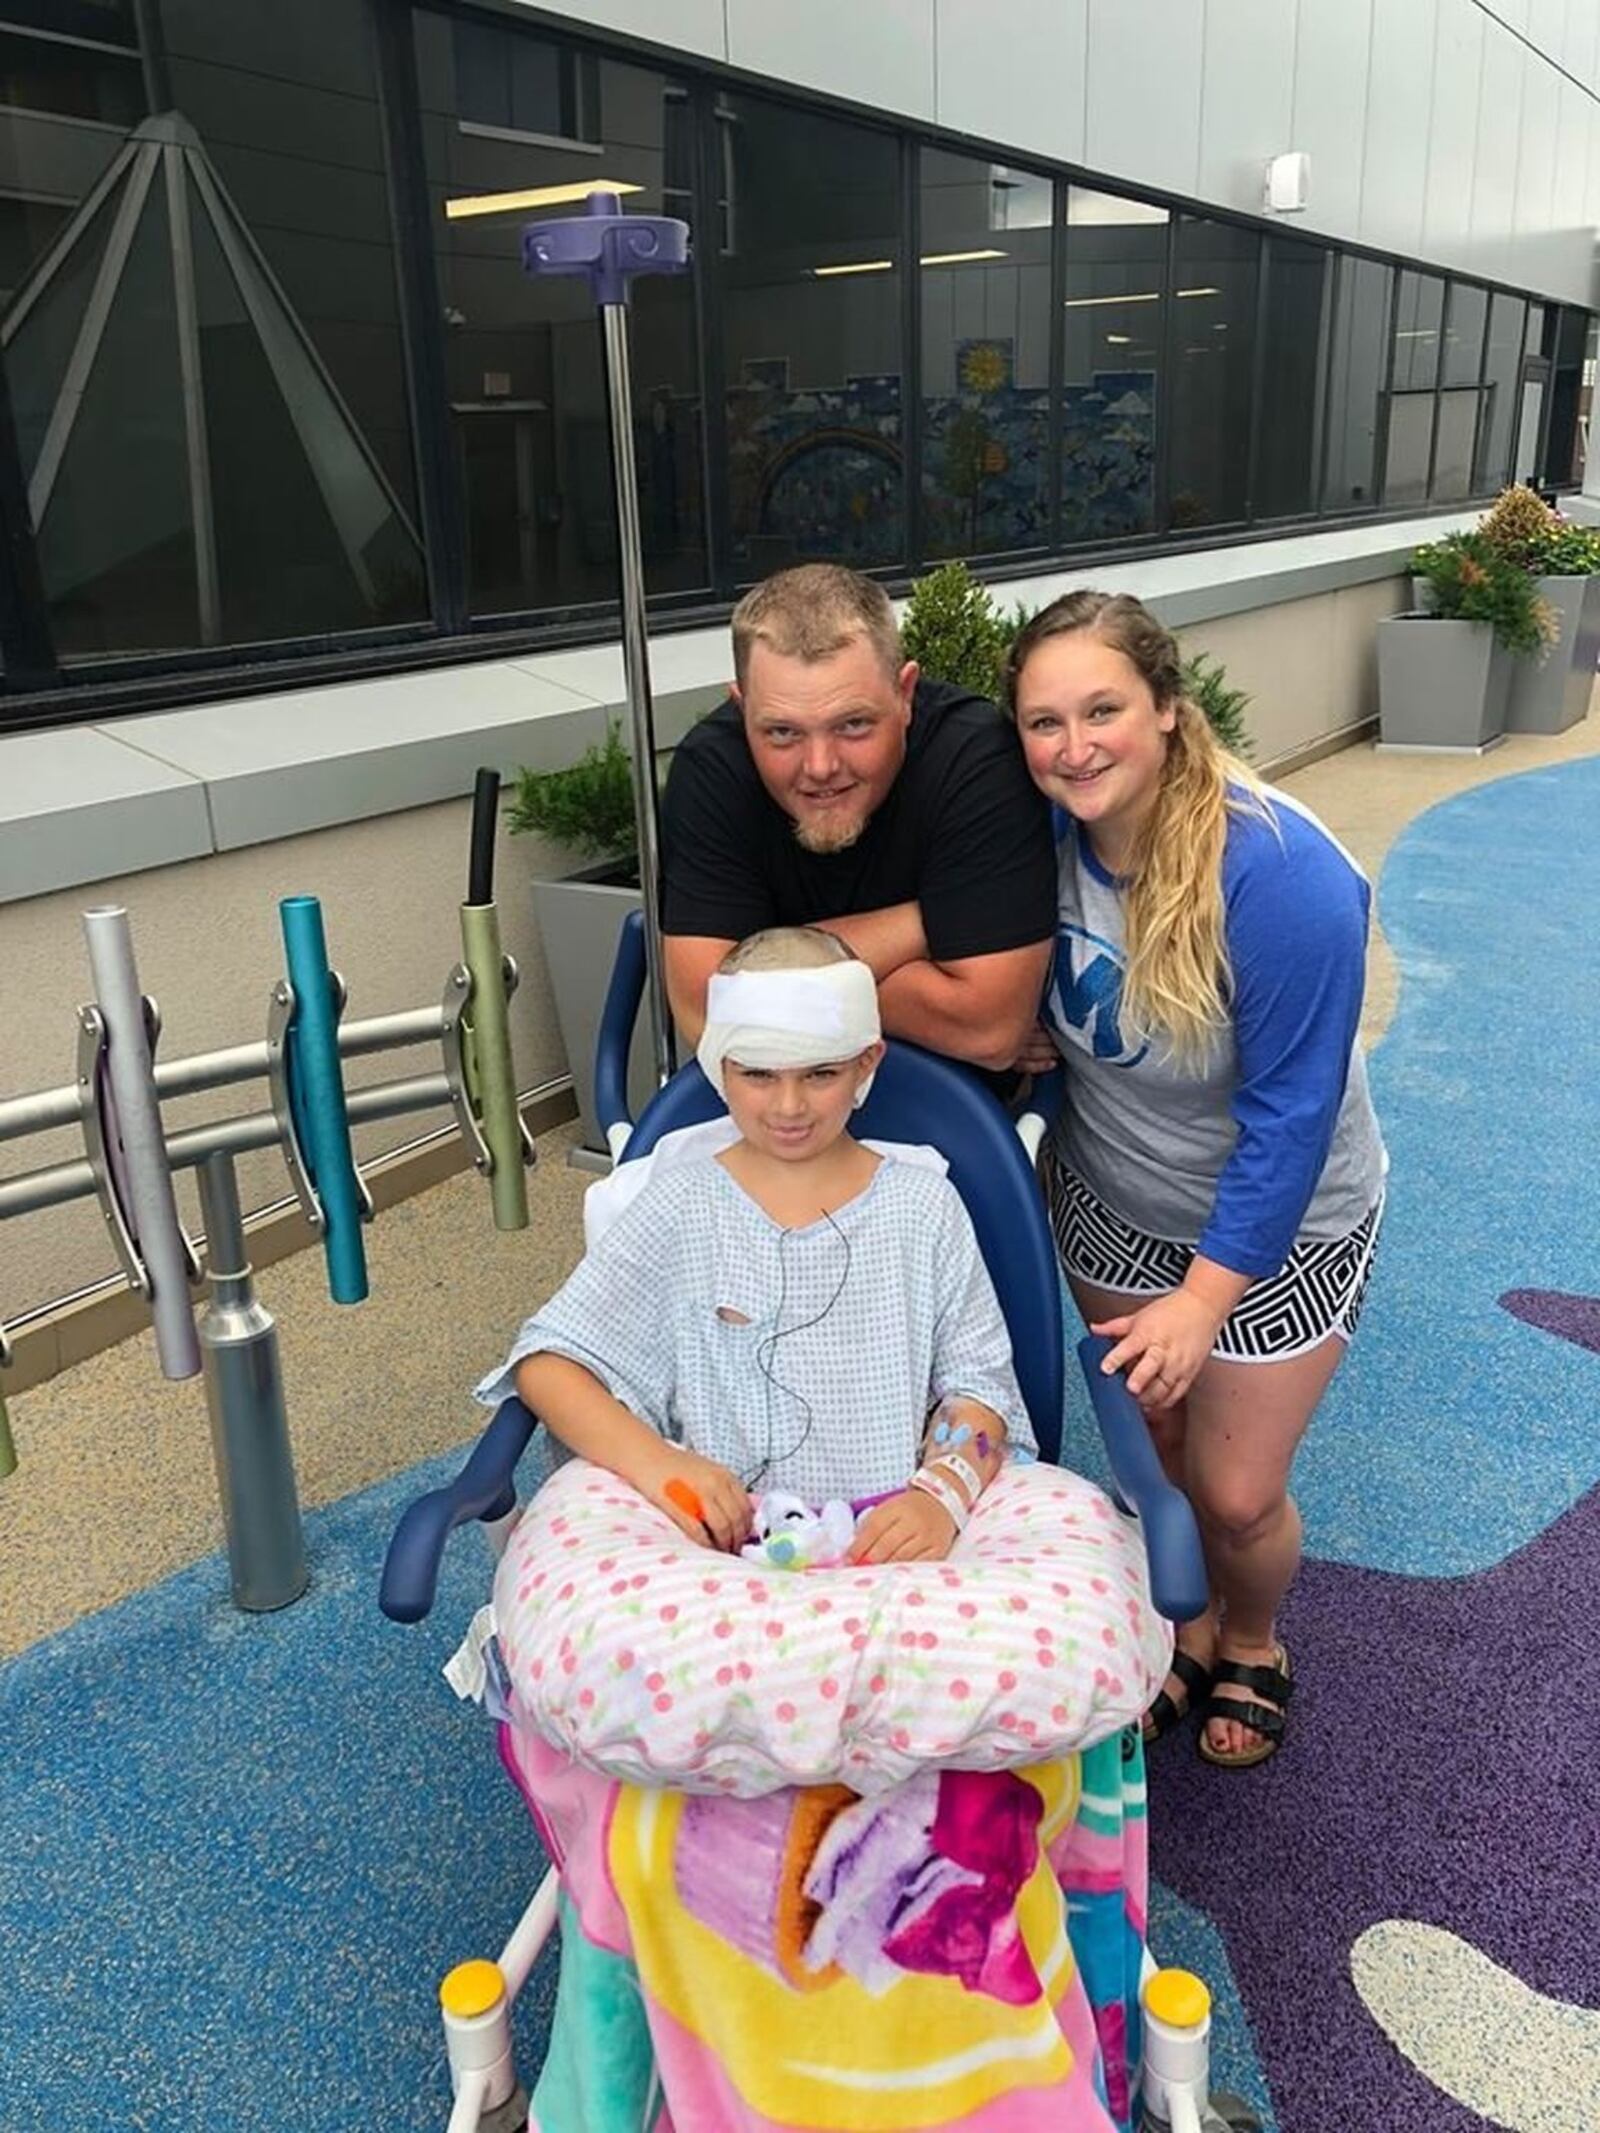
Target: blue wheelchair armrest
{"x": 482, "y": 1489}
{"x": 1178, "y": 1581}
{"x": 615, "y": 1040}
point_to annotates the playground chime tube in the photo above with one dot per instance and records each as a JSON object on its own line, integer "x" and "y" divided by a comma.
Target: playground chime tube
{"x": 129, "y": 1161}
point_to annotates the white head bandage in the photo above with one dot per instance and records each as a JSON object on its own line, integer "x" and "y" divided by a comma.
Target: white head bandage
{"x": 789, "y": 1018}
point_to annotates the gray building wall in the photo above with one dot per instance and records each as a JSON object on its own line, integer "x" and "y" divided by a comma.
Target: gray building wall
{"x": 1463, "y": 132}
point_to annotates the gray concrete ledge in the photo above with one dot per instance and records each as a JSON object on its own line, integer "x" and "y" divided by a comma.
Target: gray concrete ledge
{"x": 80, "y": 804}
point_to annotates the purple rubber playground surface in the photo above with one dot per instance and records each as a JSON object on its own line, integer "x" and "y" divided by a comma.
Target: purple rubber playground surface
{"x": 1443, "y": 1765}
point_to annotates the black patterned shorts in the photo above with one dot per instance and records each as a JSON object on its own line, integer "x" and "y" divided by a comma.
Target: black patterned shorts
{"x": 1319, "y": 1289}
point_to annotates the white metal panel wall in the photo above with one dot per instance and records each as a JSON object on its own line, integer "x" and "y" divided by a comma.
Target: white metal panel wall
{"x": 1045, "y": 101}
{"x": 1144, "y": 64}
{"x": 1462, "y": 131}
{"x": 1453, "y": 131}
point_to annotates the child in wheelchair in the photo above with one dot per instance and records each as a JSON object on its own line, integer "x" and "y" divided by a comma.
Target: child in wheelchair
{"x": 862, "y": 1847}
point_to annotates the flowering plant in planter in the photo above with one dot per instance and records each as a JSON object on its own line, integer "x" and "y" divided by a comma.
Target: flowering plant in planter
{"x": 1470, "y": 579}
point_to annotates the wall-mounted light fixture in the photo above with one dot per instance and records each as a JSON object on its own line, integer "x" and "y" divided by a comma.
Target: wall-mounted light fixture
{"x": 1287, "y": 184}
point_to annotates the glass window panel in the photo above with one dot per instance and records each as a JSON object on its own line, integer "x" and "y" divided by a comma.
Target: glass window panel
{"x": 811, "y": 338}
{"x": 1116, "y": 283}
{"x": 985, "y": 356}
{"x": 1591, "y": 344}
{"x": 523, "y": 354}
{"x": 1299, "y": 287}
{"x": 70, "y": 81}
{"x": 1453, "y": 446}
{"x": 1213, "y": 329}
{"x": 1418, "y": 316}
{"x": 116, "y": 536}
{"x": 1566, "y": 388}
{"x": 1539, "y": 316}
{"x": 1502, "y": 369}
{"x": 1463, "y": 335}
{"x": 282, "y": 255}
{"x": 1410, "y": 442}
{"x": 1355, "y": 383}
{"x": 39, "y": 346}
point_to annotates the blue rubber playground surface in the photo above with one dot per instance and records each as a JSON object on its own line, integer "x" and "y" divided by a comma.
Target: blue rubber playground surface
{"x": 236, "y": 1853}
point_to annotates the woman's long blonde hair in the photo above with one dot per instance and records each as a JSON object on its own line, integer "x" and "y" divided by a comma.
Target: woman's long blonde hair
{"x": 1178, "y": 981}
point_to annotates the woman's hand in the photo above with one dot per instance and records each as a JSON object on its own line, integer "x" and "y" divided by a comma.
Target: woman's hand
{"x": 1162, "y": 1346}
{"x": 1039, "y": 1054}
{"x": 909, "y": 1528}
{"x": 677, "y": 1481}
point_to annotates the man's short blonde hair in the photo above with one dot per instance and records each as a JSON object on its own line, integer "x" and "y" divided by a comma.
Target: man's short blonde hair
{"x": 812, "y": 612}
{"x": 787, "y": 948}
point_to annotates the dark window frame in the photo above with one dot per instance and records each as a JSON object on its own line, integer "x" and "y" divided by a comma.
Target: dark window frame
{"x": 37, "y": 690}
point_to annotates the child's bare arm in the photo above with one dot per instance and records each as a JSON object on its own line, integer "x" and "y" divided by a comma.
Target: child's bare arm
{"x": 963, "y": 1450}
{"x": 574, "y": 1406}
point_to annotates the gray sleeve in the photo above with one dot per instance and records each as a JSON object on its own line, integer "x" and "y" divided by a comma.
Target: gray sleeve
{"x": 611, "y": 1315}
{"x": 971, "y": 1347}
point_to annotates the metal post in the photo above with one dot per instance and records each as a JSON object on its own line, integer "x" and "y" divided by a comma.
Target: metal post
{"x": 609, "y": 248}
{"x": 131, "y": 1080}
{"x": 636, "y": 672}
{"x": 244, "y": 1396}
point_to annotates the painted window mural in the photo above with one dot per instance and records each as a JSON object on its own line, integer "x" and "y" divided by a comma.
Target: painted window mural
{"x": 811, "y": 295}
{"x": 984, "y": 265}
{"x": 1115, "y": 317}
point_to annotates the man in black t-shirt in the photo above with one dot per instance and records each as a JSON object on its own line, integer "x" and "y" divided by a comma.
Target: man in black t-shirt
{"x": 837, "y": 788}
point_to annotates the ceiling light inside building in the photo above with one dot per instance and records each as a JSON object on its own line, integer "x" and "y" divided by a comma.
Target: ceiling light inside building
{"x": 855, "y": 266}
{"x": 466, "y": 204}
{"x": 960, "y": 259}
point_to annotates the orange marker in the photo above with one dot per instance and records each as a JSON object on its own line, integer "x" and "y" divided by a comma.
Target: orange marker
{"x": 687, "y": 1501}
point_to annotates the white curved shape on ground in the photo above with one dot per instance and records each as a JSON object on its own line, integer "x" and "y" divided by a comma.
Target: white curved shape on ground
{"x": 1524, "y": 2062}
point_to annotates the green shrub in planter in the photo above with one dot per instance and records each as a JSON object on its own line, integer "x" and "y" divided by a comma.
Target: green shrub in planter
{"x": 1470, "y": 579}
{"x": 953, "y": 630}
{"x": 588, "y": 806}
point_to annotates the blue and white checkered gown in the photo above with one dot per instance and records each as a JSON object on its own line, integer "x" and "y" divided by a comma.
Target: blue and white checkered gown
{"x": 856, "y": 1326}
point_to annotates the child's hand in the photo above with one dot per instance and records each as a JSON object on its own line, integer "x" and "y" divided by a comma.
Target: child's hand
{"x": 909, "y": 1528}
{"x": 701, "y": 1498}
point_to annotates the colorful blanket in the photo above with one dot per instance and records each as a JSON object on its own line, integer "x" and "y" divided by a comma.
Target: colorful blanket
{"x": 961, "y": 1951}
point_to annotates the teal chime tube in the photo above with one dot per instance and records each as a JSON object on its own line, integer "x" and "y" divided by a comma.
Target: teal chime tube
{"x": 316, "y": 1090}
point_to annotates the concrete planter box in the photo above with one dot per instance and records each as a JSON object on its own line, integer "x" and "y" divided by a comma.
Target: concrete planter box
{"x": 580, "y": 919}
{"x": 1549, "y": 695}
{"x": 1441, "y": 684}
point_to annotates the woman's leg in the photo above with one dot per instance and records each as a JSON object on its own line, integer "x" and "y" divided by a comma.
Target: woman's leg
{"x": 1169, "y": 1432}
{"x": 1243, "y": 1425}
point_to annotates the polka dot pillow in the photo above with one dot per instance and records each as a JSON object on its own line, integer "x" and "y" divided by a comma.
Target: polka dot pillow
{"x": 658, "y": 1662}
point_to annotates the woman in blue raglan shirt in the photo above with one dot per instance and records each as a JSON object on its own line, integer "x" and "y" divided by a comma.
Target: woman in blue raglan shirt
{"x": 1215, "y": 1177}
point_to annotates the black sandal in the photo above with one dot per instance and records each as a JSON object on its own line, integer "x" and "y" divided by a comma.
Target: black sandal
{"x": 1163, "y": 1713}
{"x": 1267, "y": 1719}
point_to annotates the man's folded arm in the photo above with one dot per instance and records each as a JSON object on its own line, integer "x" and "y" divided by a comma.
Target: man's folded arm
{"x": 978, "y": 1008}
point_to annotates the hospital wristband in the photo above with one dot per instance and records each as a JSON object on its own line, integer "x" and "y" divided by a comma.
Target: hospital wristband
{"x": 944, "y": 1493}
{"x": 961, "y": 1470}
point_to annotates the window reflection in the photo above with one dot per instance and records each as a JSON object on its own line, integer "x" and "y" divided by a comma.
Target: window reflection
{"x": 1355, "y": 383}
{"x": 811, "y": 339}
{"x": 512, "y": 120}
{"x": 985, "y": 269}
{"x": 1418, "y": 317}
{"x": 1214, "y": 306}
{"x": 1502, "y": 370}
{"x": 1115, "y": 308}
{"x": 1298, "y": 298}
{"x": 231, "y": 257}
{"x": 1460, "y": 393}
